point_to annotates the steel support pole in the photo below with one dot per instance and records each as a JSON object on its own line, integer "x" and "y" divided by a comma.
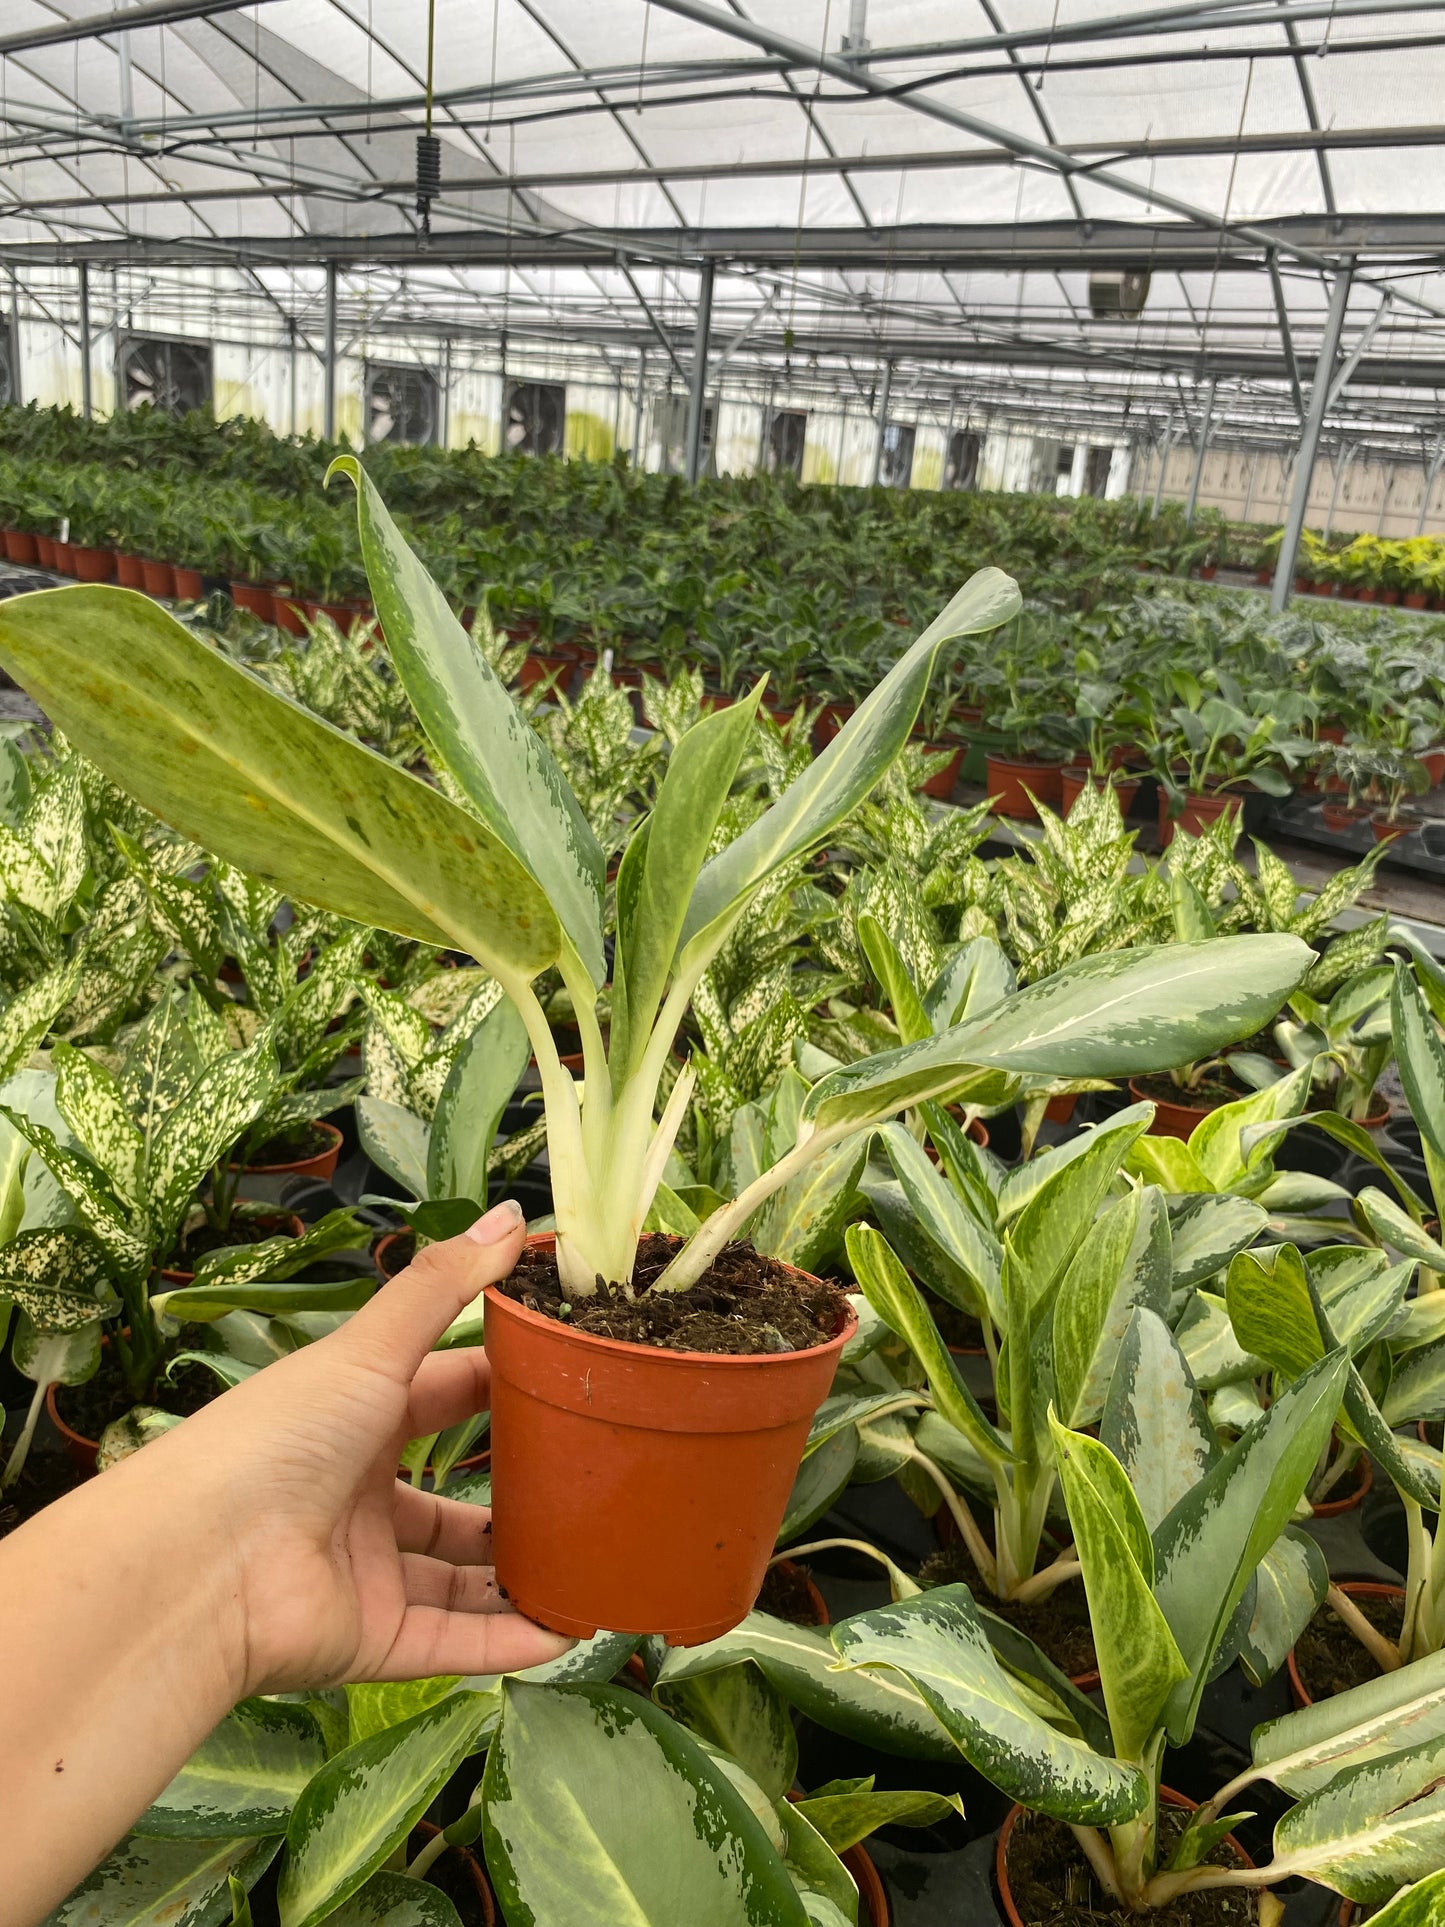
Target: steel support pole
{"x": 1206, "y": 423}
{"x": 1253, "y": 478}
{"x": 885, "y": 393}
{"x": 697, "y": 390}
{"x": 637, "y": 423}
{"x": 1345, "y": 456}
{"x": 328, "y": 366}
{"x": 446, "y": 422}
{"x": 85, "y": 394}
{"x": 1437, "y": 461}
{"x": 1314, "y": 421}
{"x": 1166, "y": 449}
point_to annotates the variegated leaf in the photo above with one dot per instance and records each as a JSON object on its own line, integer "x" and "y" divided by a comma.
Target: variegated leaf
{"x": 94, "y": 1106}
{"x": 1290, "y": 1588}
{"x": 1123, "y": 1262}
{"x": 1373, "y": 1828}
{"x": 937, "y": 1643}
{"x": 1154, "y": 1421}
{"x": 59, "y": 1278}
{"x": 1303, "y": 1751}
{"x": 96, "y": 1204}
{"x": 31, "y": 1013}
{"x": 244, "y": 1778}
{"x": 164, "y": 1883}
{"x": 225, "y": 1099}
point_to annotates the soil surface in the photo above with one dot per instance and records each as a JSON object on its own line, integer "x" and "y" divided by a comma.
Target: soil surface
{"x": 1059, "y": 1625}
{"x": 47, "y": 1476}
{"x": 206, "y": 1238}
{"x": 744, "y": 1305}
{"x": 90, "y": 1407}
{"x": 399, "y": 1255}
{"x": 960, "y": 1330}
{"x": 1208, "y": 1096}
{"x": 1054, "y": 1886}
{"x": 785, "y": 1595}
{"x": 1328, "y": 1657}
{"x": 292, "y": 1147}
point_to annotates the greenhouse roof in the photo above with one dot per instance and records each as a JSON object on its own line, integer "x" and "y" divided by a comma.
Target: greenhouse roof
{"x": 946, "y": 182}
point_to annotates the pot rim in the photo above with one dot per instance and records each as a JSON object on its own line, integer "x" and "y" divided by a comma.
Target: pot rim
{"x": 1167, "y": 1797}
{"x": 1352, "y": 1588}
{"x": 621, "y": 1347}
{"x": 297, "y": 1164}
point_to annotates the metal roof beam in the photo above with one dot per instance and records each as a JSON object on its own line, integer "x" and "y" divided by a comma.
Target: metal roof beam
{"x": 149, "y": 13}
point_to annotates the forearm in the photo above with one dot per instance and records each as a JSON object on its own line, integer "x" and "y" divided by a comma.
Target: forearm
{"x": 121, "y": 1631}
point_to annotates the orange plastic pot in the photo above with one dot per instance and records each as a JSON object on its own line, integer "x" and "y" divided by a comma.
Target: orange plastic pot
{"x": 322, "y": 1165}
{"x": 189, "y": 586}
{"x": 1198, "y": 813}
{"x": 45, "y": 551}
{"x": 1074, "y": 781}
{"x": 92, "y": 565}
{"x": 1170, "y": 1120}
{"x": 1352, "y": 1589}
{"x": 158, "y": 578}
{"x": 475, "y": 1877}
{"x": 130, "y": 571}
{"x": 639, "y": 1489}
{"x": 20, "y": 546}
{"x": 1167, "y": 1798}
{"x": 941, "y": 785}
{"x": 256, "y": 599}
{"x": 1012, "y": 779}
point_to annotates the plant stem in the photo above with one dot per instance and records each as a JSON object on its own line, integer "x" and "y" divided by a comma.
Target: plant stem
{"x": 1386, "y": 1656}
{"x": 1041, "y": 1584}
{"x": 21, "y": 1451}
{"x": 967, "y": 1525}
{"x": 427, "y": 1858}
{"x": 1100, "y": 1856}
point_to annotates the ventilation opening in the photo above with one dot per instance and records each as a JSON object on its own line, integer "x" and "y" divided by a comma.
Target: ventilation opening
{"x": 965, "y": 446}
{"x": 172, "y": 376}
{"x": 1118, "y": 294}
{"x": 403, "y": 404}
{"x": 787, "y": 433}
{"x": 669, "y": 431}
{"x": 896, "y": 468}
{"x": 535, "y": 418}
{"x": 1096, "y": 471}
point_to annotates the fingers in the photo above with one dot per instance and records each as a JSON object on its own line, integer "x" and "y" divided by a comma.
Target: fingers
{"x": 448, "y": 1387}
{"x": 431, "y": 1640}
{"x": 442, "y": 1528}
{"x": 394, "y": 1333}
{"x": 455, "y": 1589}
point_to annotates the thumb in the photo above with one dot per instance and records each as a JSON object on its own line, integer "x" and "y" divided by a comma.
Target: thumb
{"x": 398, "y": 1327}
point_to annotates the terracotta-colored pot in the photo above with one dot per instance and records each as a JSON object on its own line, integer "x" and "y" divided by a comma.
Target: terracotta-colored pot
{"x": 322, "y": 1165}
{"x": 339, "y": 613}
{"x": 79, "y": 1450}
{"x": 256, "y": 599}
{"x": 286, "y": 608}
{"x": 1414, "y": 598}
{"x": 1011, "y": 778}
{"x": 1352, "y": 1589}
{"x": 821, "y": 1615}
{"x": 1170, "y": 1120}
{"x": 1362, "y": 594}
{"x": 1363, "y": 1473}
{"x": 533, "y": 670}
{"x": 969, "y": 714}
{"x": 64, "y": 553}
{"x": 479, "y": 1882}
{"x": 636, "y": 1488}
{"x": 1198, "y": 813}
{"x": 158, "y": 578}
{"x": 870, "y": 1888}
{"x": 1060, "y": 1110}
{"x": 1207, "y": 571}
{"x": 942, "y": 784}
{"x": 189, "y": 586}
{"x": 831, "y": 718}
{"x": 1384, "y": 831}
{"x": 1263, "y": 577}
{"x": 1339, "y": 816}
{"x": 130, "y": 571}
{"x": 384, "y": 1254}
{"x": 20, "y": 546}
{"x": 92, "y": 565}
{"x": 1434, "y": 761}
{"x": 1075, "y": 780}
{"x": 1167, "y": 1798}
{"x": 1390, "y": 596}
{"x": 1379, "y": 1113}
{"x": 45, "y": 551}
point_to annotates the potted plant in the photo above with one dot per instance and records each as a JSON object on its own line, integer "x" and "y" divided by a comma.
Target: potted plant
{"x": 1212, "y": 742}
{"x": 515, "y": 881}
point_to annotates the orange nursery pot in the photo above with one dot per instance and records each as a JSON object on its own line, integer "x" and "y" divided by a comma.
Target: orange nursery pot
{"x": 639, "y": 1489}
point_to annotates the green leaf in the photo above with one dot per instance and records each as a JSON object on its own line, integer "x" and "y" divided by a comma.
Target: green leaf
{"x": 1217, "y": 1143}
{"x": 1398, "y": 1229}
{"x": 1123, "y": 1262}
{"x": 226, "y": 1370}
{"x": 1290, "y": 1588}
{"x": 1052, "y": 1226}
{"x": 848, "y": 1816}
{"x": 164, "y": 1883}
{"x": 95, "y": 1107}
{"x": 1421, "y": 1905}
{"x": 803, "y": 1222}
{"x": 936, "y": 1642}
{"x": 375, "y": 1706}
{"x": 822, "y": 1478}
{"x": 485, "y": 1071}
{"x": 395, "y": 1900}
{"x": 214, "y": 752}
{"x": 59, "y": 1278}
{"x": 30, "y": 1013}
{"x": 1154, "y": 1420}
{"x": 1208, "y": 1548}
{"x": 834, "y": 784}
{"x": 656, "y": 885}
{"x": 365, "y": 1801}
{"x": 1139, "y": 1663}
{"x": 1272, "y": 1311}
{"x": 1373, "y": 1827}
{"x": 940, "y": 1215}
{"x": 395, "y": 1140}
{"x": 1207, "y": 1232}
{"x": 738, "y": 1709}
{"x": 244, "y": 1778}
{"x": 898, "y": 987}
{"x": 878, "y": 1709}
{"x": 1128, "y": 1012}
{"x": 501, "y": 763}
{"x": 898, "y": 1301}
{"x": 599, "y": 1810}
{"x": 1420, "y": 1058}
{"x": 96, "y": 1204}
{"x": 203, "y": 1303}
{"x": 1192, "y": 921}
{"x": 1302, "y": 1751}
{"x": 283, "y": 1256}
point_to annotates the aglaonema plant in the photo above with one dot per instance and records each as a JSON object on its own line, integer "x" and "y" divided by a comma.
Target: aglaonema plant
{"x": 514, "y": 876}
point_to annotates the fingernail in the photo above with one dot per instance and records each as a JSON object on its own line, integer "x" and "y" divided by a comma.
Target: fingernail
{"x": 498, "y": 1223}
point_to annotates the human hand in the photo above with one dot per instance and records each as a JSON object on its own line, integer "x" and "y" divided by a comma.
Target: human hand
{"x": 337, "y": 1571}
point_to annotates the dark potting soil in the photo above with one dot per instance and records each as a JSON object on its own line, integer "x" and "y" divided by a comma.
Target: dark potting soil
{"x": 960, "y": 1330}
{"x": 1207, "y": 1096}
{"x": 47, "y": 1476}
{"x": 90, "y": 1407}
{"x": 1053, "y": 1884}
{"x": 206, "y": 1238}
{"x": 399, "y": 1255}
{"x": 1328, "y": 1657}
{"x": 292, "y": 1147}
{"x": 786, "y": 1595}
{"x": 1058, "y": 1626}
{"x": 742, "y": 1306}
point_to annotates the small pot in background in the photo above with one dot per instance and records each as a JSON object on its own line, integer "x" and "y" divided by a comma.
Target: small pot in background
{"x": 188, "y": 583}
{"x": 92, "y": 565}
{"x": 158, "y": 579}
{"x": 942, "y": 783}
{"x": 1352, "y": 1589}
{"x": 255, "y": 599}
{"x": 1017, "y": 780}
{"x": 1198, "y": 813}
{"x": 20, "y": 546}
{"x": 130, "y": 571}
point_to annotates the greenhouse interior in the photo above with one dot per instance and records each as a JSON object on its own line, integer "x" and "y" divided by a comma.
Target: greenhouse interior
{"x": 722, "y": 970}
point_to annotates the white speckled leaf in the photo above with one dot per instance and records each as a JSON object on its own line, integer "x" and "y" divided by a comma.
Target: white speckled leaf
{"x": 599, "y": 1811}
{"x": 245, "y": 1777}
{"x": 164, "y": 1883}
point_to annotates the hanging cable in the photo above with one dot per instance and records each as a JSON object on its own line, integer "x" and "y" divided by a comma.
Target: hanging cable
{"x": 428, "y": 146}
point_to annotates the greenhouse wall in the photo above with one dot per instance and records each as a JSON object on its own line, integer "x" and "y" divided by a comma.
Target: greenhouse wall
{"x": 1369, "y": 497}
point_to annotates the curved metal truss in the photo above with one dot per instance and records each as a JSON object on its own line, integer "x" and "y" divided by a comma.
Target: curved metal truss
{"x": 952, "y": 188}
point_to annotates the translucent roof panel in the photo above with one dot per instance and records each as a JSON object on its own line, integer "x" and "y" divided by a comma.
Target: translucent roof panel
{"x": 934, "y": 181}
